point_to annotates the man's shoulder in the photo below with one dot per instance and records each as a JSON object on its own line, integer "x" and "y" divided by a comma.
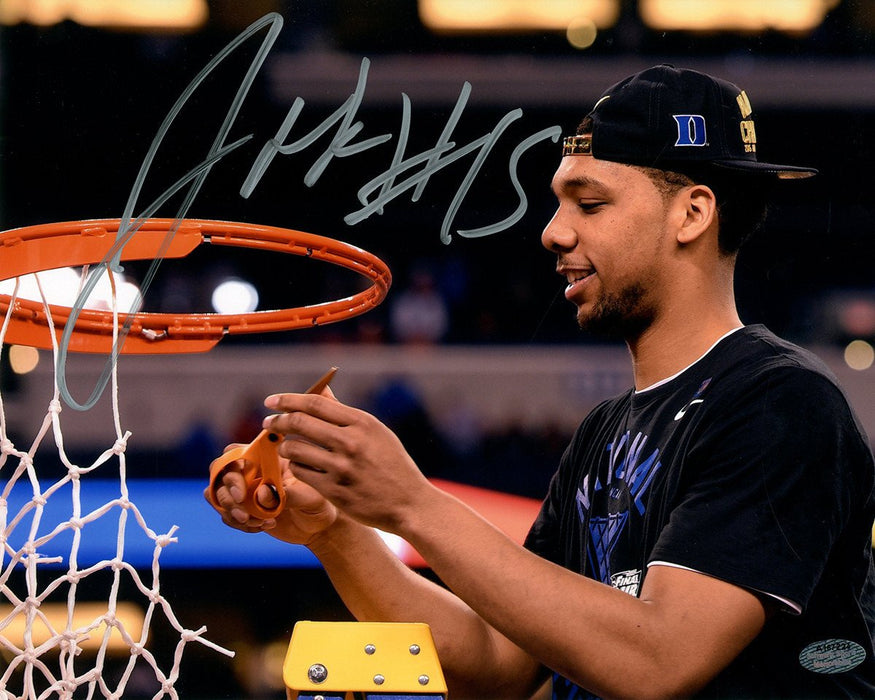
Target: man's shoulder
{"x": 755, "y": 351}
{"x": 764, "y": 372}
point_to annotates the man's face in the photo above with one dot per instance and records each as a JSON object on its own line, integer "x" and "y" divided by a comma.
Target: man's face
{"x": 609, "y": 234}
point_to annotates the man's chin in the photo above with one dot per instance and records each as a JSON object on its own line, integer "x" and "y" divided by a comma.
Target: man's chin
{"x": 619, "y": 316}
{"x": 612, "y": 326}
{"x": 599, "y": 329}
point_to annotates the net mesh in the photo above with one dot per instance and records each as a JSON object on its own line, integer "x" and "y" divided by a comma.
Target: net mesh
{"x": 44, "y": 652}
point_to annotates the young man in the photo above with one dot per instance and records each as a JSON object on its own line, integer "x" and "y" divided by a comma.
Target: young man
{"x": 707, "y": 532}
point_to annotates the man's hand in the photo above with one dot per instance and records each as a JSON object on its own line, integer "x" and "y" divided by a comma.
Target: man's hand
{"x": 350, "y": 457}
{"x": 306, "y": 513}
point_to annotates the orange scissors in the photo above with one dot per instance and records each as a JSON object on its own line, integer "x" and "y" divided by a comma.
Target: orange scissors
{"x": 260, "y": 465}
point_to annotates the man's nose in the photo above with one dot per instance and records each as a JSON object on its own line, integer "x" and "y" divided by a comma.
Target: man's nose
{"x": 557, "y": 235}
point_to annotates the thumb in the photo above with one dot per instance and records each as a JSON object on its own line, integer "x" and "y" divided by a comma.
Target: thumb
{"x": 267, "y": 497}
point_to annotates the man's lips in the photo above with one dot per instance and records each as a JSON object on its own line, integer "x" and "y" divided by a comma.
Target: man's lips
{"x": 576, "y": 280}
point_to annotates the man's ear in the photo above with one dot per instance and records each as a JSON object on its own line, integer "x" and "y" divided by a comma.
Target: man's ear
{"x": 699, "y": 205}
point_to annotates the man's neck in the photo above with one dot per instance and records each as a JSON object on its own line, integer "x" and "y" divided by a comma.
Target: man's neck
{"x": 665, "y": 349}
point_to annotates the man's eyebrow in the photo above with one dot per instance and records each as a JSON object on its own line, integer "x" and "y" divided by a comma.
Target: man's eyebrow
{"x": 574, "y": 183}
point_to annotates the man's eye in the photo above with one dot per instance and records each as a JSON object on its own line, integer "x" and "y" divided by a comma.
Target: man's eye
{"x": 590, "y": 206}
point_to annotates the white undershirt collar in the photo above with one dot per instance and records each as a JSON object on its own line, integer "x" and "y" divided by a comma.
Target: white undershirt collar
{"x": 698, "y": 359}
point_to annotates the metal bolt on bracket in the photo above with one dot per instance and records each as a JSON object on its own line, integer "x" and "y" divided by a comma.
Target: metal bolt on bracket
{"x": 317, "y": 673}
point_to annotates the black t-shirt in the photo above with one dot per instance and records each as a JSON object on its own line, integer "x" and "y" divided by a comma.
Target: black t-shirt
{"x": 748, "y": 466}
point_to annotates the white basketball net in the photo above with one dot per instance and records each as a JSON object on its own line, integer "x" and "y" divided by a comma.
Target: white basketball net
{"x": 56, "y": 666}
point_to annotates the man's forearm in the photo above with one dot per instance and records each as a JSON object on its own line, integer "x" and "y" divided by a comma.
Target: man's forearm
{"x": 683, "y": 629}
{"x": 376, "y": 586}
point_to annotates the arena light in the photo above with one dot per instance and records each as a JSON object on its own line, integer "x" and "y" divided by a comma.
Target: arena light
{"x": 235, "y": 296}
{"x": 61, "y": 287}
{"x": 23, "y": 359}
{"x": 56, "y": 616}
{"x": 581, "y": 32}
{"x": 173, "y": 15}
{"x": 794, "y": 16}
{"x": 859, "y": 355}
{"x": 514, "y": 15}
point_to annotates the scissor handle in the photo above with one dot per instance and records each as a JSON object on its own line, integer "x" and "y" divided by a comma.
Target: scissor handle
{"x": 260, "y": 465}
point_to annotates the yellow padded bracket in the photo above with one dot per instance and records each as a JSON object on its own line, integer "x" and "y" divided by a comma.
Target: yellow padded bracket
{"x": 339, "y": 659}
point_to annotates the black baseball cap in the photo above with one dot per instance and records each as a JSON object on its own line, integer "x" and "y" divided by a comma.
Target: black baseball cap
{"x": 666, "y": 116}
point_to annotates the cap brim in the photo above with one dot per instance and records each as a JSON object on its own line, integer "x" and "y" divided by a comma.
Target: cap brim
{"x": 782, "y": 172}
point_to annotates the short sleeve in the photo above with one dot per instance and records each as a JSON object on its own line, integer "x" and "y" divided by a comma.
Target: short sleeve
{"x": 768, "y": 486}
{"x": 544, "y": 538}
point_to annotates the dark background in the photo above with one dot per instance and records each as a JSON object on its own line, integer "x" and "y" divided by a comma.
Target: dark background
{"x": 81, "y": 106}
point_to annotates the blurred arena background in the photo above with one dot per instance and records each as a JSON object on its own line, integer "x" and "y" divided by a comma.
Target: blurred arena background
{"x": 474, "y": 358}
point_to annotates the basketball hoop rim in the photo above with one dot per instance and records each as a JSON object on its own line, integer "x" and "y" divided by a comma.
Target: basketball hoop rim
{"x": 41, "y": 247}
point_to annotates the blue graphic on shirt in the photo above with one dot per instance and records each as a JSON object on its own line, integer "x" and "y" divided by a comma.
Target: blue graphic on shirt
{"x": 629, "y": 476}
{"x": 564, "y": 689}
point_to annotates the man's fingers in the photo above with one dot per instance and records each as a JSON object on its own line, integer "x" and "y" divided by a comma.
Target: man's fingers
{"x": 312, "y": 428}
{"x": 234, "y": 485}
{"x": 324, "y": 407}
{"x": 328, "y": 393}
{"x": 303, "y": 454}
{"x": 241, "y": 520}
{"x": 240, "y": 516}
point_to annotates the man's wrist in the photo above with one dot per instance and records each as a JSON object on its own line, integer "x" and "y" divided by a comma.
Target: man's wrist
{"x": 327, "y": 539}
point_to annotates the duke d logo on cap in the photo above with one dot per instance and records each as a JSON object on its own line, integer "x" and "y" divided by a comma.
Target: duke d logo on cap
{"x": 666, "y": 115}
{"x": 691, "y": 130}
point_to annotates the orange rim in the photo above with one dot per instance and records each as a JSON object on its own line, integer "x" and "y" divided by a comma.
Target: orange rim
{"x": 76, "y": 243}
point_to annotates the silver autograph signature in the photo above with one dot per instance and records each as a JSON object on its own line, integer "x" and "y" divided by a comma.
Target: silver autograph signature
{"x": 406, "y": 172}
